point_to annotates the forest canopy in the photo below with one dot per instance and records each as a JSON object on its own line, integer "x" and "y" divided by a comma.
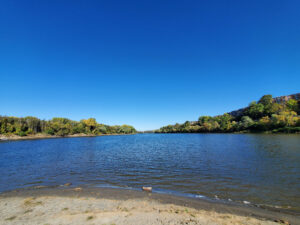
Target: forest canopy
{"x": 266, "y": 115}
{"x": 29, "y": 125}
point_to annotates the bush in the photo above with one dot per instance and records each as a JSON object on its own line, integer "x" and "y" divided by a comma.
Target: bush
{"x": 49, "y": 131}
{"x": 22, "y": 133}
{"x": 287, "y": 130}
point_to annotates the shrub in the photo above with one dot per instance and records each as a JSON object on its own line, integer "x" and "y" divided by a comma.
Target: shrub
{"x": 22, "y": 133}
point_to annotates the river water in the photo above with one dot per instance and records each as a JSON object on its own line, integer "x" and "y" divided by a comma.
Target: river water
{"x": 260, "y": 169}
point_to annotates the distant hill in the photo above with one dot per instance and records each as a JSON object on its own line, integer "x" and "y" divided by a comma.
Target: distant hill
{"x": 285, "y": 98}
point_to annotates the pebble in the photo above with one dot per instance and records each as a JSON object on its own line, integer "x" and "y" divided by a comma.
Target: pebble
{"x": 149, "y": 189}
{"x": 282, "y": 221}
{"x": 78, "y": 189}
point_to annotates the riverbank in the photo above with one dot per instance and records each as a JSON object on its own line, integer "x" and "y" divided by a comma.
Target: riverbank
{"x": 76, "y": 205}
{"x": 46, "y": 136}
{"x": 288, "y": 130}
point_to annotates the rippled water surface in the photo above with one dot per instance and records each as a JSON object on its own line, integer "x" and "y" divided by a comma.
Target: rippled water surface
{"x": 259, "y": 168}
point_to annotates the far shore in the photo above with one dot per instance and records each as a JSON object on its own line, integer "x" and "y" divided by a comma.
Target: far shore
{"x": 46, "y": 136}
{"x": 79, "y": 205}
{"x": 14, "y": 137}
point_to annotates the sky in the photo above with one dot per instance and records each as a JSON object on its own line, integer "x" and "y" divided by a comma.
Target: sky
{"x": 145, "y": 63}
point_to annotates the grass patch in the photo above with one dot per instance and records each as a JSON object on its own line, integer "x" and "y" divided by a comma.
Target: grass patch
{"x": 28, "y": 201}
{"x": 31, "y": 202}
{"x": 64, "y": 209}
{"x": 89, "y": 218}
{"x": 11, "y": 218}
{"x": 28, "y": 211}
{"x": 227, "y": 217}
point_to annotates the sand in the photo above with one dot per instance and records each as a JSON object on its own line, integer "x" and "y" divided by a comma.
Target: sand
{"x": 70, "y": 205}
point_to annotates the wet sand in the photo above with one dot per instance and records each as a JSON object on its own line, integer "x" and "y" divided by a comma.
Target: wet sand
{"x": 71, "y": 205}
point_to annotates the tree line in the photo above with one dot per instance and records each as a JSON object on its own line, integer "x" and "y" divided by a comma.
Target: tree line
{"x": 58, "y": 126}
{"x": 263, "y": 116}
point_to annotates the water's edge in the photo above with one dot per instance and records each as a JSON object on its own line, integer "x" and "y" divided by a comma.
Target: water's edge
{"x": 118, "y": 193}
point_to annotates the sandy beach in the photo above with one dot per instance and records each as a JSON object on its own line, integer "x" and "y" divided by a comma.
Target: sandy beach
{"x": 76, "y": 205}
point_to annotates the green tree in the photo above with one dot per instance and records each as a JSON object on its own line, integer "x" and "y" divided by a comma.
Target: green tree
{"x": 90, "y": 124}
{"x": 264, "y": 123}
{"x": 33, "y": 124}
{"x": 256, "y": 111}
{"x": 204, "y": 119}
{"x": 246, "y": 122}
{"x": 224, "y": 122}
{"x": 266, "y": 100}
{"x": 285, "y": 119}
{"x": 292, "y": 105}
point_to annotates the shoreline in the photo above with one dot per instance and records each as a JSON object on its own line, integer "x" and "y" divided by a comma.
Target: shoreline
{"x": 45, "y": 136}
{"x": 237, "y": 132}
{"x": 197, "y": 211}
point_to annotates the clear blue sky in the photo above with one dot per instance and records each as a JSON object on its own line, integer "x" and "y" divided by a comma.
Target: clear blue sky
{"x": 145, "y": 63}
